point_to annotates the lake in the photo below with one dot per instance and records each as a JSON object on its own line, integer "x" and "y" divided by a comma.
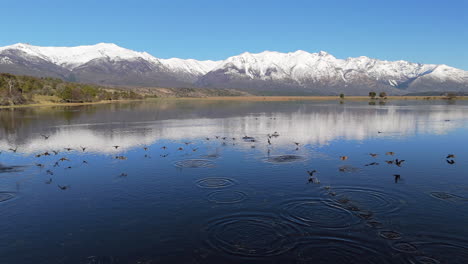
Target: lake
{"x": 205, "y": 181}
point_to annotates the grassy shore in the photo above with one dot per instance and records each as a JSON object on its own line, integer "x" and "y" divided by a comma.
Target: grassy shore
{"x": 42, "y": 101}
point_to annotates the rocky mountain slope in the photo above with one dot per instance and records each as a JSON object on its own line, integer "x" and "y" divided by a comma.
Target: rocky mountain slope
{"x": 268, "y": 72}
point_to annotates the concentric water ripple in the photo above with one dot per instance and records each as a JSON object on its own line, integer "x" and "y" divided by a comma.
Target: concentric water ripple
{"x": 374, "y": 201}
{"x": 194, "y": 163}
{"x": 284, "y": 159}
{"x": 215, "y": 182}
{"x": 315, "y": 212}
{"x": 5, "y": 196}
{"x": 338, "y": 250}
{"x": 405, "y": 247}
{"x": 251, "y": 235}
{"x": 227, "y": 197}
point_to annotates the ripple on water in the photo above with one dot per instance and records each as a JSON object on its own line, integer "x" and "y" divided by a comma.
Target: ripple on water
{"x": 227, "y": 197}
{"x": 251, "y": 235}
{"x": 284, "y": 159}
{"x": 339, "y": 250}
{"x": 316, "y": 212}
{"x": 389, "y": 234}
{"x": 215, "y": 182}
{"x": 194, "y": 163}
{"x": 453, "y": 251}
{"x": 5, "y": 196}
{"x": 372, "y": 200}
{"x": 405, "y": 247}
{"x": 448, "y": 196}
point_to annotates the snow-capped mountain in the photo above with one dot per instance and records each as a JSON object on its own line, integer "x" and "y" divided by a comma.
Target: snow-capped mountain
{"x": 268, "y": 72}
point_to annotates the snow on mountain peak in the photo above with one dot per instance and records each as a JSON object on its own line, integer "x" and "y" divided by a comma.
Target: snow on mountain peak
{"x": 71, "y": 57}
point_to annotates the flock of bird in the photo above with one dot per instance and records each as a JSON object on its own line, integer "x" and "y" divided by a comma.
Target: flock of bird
{"x": 450, "y": 158}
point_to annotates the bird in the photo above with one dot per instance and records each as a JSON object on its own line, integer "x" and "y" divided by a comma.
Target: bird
{"x": 194, "y": 149}
{"x": 297, "y": 143}
{"x": 164, "y": 147}
{"x": 451, "y": 161}
{"x": 180, "y": 148}
{"x": 145, "y": 148}
{"x": 13, "y": 149}
{"x": 372, "y": 164}
{"x": 390, "y": 153}
{"x": 49, "y": 172}
{"x": 85, "y": 162}
{"x": 38, "y": 155}
{"x": 165, "y": 155}
{"x": 276, "y": 134}
{"x": 64, "y": 159}
{"x": 40, "y": 165}
{"x": 56, "y": 164}
{"x": 233, "y": 138}
{"x": 389, "y": 161}
{"x": 224, "y": 138}
{"x": 311, "y": 173}
{"x": 116, "y": 147}
{"x": 399, "y": 162}
{"x": 46, "y": 153}
{"x": 207, "y": 138}
{"x": 450, "y": 156}
{"x": 55, "y": 152}
{"x": 314, "y": 180}
{"x": 123, "y": 175}
{"x": 397, "y": 177}
{"x": 269, "y": 142}
{"x": 83, "y": 148}
{"x": 343, "y": 157}
{"x": 187, "y": 143}
{"x": 45, "y": 136}
{"x": 373, "y": 154}
{"x": 216, "y": 137}
{"x": 120, "y": 157}
{"x": 63, "y": 187}
{"x": 379, "y": 132}
{"x": 49, "y": 181}
{"x": 68, "y": 149}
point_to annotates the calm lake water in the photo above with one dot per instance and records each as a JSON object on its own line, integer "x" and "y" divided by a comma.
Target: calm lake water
{"x": 176, "y": 191}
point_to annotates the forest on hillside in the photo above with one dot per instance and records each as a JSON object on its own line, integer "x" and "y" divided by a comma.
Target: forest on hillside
{"x": 16, "y": 90}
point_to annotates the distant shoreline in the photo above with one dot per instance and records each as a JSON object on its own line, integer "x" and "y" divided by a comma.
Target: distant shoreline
{"x": 246, "y": 98}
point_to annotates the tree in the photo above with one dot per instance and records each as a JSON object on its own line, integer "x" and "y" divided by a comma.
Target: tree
{"x": 372, "y": 95}
{"x": 382, "y": 94}
{"x": 341, "y": 95}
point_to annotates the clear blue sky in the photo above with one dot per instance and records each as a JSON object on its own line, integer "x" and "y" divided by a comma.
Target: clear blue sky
{"x": 426, "y": 31}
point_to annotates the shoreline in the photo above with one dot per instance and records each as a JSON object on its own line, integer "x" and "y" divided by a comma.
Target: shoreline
{"x": 247, "y": 98}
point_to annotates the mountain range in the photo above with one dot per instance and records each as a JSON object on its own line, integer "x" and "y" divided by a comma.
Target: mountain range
{"x": 268, "y": 73}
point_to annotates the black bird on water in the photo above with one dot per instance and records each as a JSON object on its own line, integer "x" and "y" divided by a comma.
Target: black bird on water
{"x": 45, "y": 136}
{"x": 297, "y": 143}
{"x": 85, "y": 162}
{"x": 116, "y": 147}
{"x": 145, "y": 148}
{"x": 68, "y": 149}
{"x": 13, "y": 149}
{"x": 63, "y": 187}
{"x": 55, "y": 152}
{"x": 83, "y": 148}
{"x": 311, "y": 173}
{"x": 373, "y": 155}
{"x": 164, "y": 147}
{"x": 397, "y": 177}
{"x": 269, "y": 142}
{"x": 64, "y": 159}
{"x": 372, "y": 164}
{"x": 451, "y": 161}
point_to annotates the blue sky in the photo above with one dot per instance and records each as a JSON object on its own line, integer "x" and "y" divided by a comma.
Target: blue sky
{"x": 420, "y": 31}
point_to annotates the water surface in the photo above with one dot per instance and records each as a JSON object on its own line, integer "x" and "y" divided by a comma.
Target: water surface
{"x": 197, "y": 182}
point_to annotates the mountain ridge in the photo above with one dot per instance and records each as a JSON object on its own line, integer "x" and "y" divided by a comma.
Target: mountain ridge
{"x": 268, "y": 72}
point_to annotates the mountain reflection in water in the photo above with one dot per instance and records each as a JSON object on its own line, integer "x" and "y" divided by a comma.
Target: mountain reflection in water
{"x": 195, "y": 181}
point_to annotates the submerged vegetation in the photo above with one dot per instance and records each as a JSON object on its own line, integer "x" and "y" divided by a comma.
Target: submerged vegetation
{"x": 17, "y": 90}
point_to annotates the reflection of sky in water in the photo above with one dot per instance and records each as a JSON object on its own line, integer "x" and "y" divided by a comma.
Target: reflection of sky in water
{"x": 313, "y": 124}
{"x": 233, "y": 203}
